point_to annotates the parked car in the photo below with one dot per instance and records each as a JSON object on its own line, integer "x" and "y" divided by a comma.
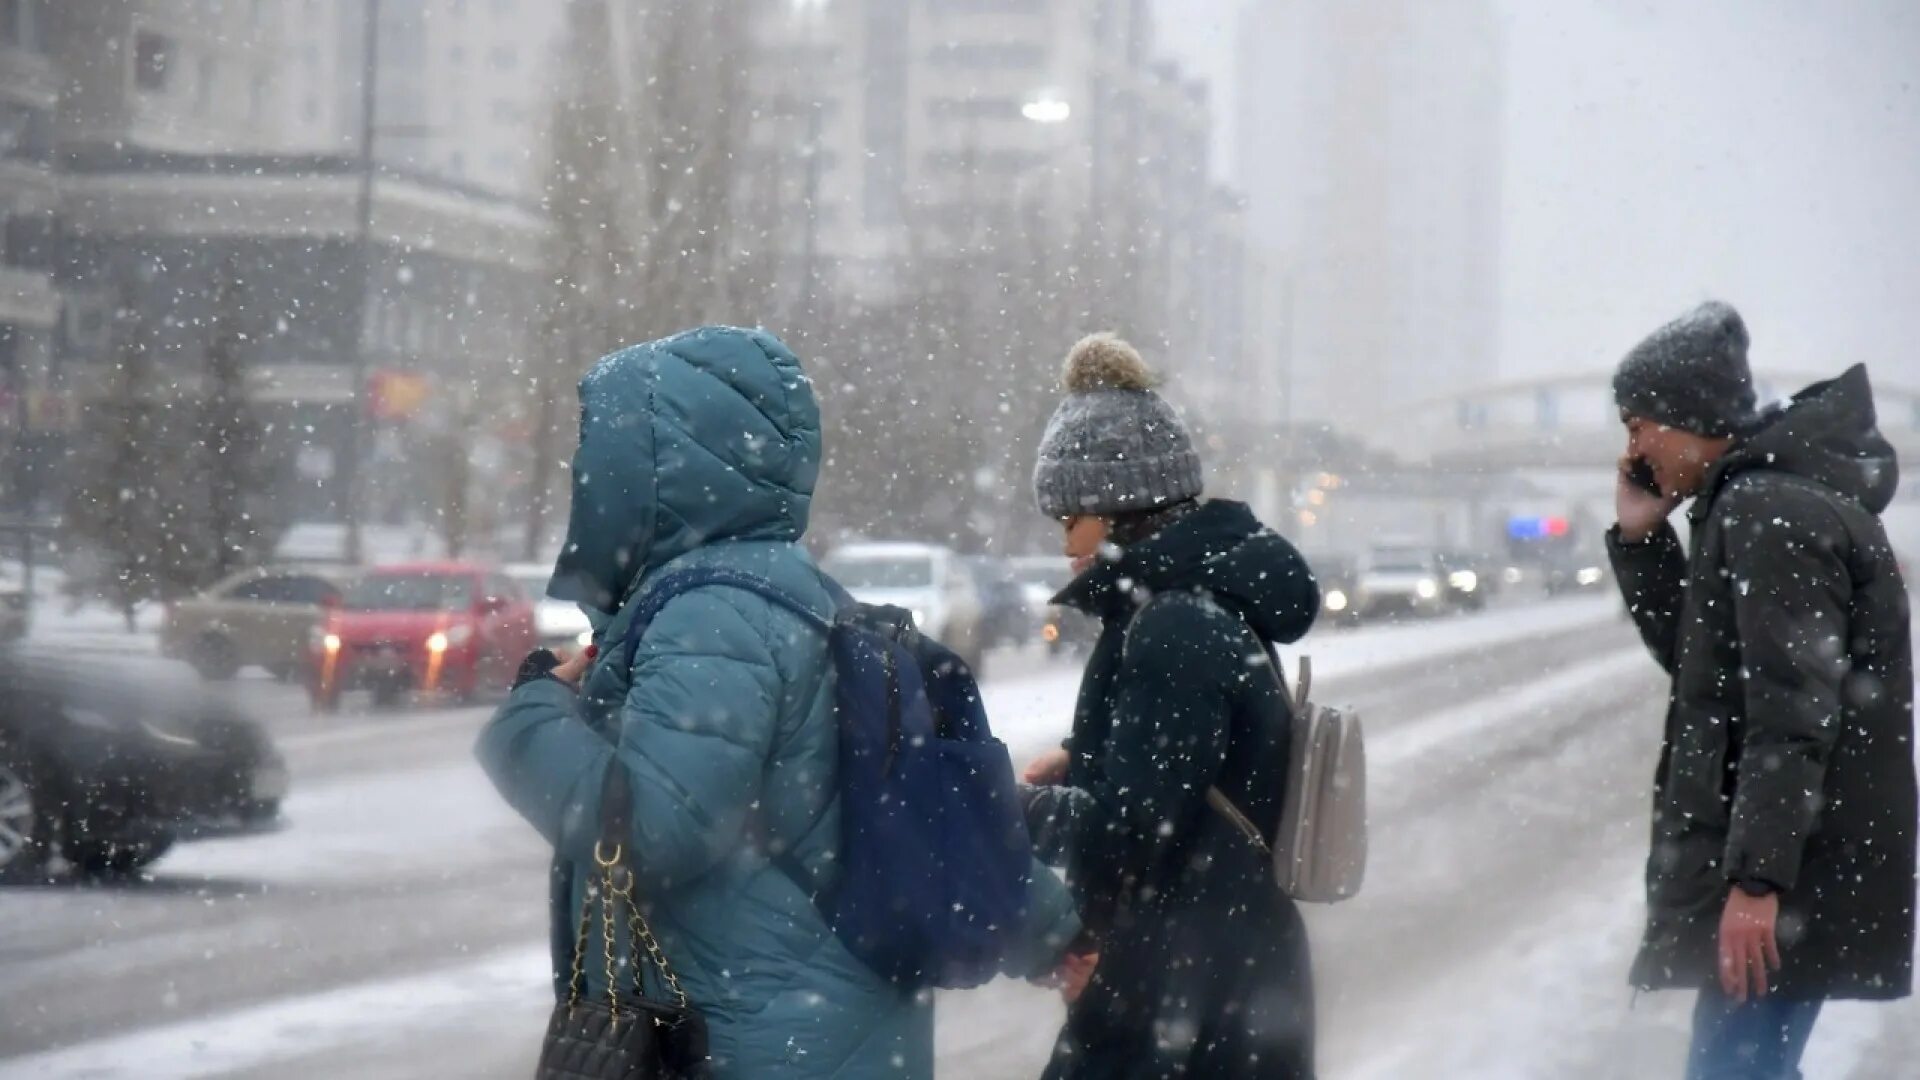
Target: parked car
{"x": 558, "y": 624}
{"x": 261, "y": 617}
{"x": 453, "y": 628}
{"x": 108, "y": 773}
{"x": 1005, "y": 617}
{"x": 1469, "y": 580}
{"x": 1401, "y": 580}
{"x": 1339, "y": 584}
{"x": 1576, "y": 572}
{"x": 926, "y": 579}
{"x": 1041, "y": 578}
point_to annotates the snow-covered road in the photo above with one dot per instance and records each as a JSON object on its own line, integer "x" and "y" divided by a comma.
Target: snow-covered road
{"x": 396, "y": 929}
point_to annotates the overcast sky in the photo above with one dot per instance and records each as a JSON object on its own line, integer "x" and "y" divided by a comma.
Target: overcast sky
{"x": 1763, "y": 151}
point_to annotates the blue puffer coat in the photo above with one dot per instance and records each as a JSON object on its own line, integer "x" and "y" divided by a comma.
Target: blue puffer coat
{"x": 702, "y": 450}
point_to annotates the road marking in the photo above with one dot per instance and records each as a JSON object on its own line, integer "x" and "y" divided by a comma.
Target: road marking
{"x": 499, "y": 984}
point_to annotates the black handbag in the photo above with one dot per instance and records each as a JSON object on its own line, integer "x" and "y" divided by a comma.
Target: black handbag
{"x": 625, "y": 1036}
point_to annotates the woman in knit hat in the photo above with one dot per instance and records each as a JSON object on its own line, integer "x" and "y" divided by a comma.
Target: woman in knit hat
{"x": 1202, "y": 965}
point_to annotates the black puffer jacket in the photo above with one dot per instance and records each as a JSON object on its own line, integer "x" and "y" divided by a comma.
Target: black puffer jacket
{"x": 1789, "y": 754}
{"x": 1204, "y": 968}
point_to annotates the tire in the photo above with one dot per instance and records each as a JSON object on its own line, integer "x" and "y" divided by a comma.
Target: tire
{"x": 215, "y": 658}
{"x": 26, "y": 827}
{"x": 115, "y": 858}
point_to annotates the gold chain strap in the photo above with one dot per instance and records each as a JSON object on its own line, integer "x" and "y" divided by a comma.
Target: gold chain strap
{"x": 578, "y": 980}
{"x": 606, "y": 933}
{"x": 640, "y": 934}
{"x": 617, "y": 882}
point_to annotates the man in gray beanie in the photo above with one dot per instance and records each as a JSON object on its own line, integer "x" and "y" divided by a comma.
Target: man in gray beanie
{"x": 1782, "y": 869}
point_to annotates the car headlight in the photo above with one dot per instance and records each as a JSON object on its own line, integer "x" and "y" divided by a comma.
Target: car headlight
{"x": 437, "y": 641}
{"x": 321, "y": 638}
{"x": 1427, "y": 588}
{"x": 1588, "y": 575}
{"x": 1050, "y": 633}
{"x": 1464, "y": 580}
{"x": 1336, "y": 600}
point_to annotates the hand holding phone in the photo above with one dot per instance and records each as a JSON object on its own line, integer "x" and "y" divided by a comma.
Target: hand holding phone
{"x": 1638, "y": 502}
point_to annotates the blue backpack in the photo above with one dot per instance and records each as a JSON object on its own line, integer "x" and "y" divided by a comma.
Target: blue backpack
{"x": 934, "y": 855}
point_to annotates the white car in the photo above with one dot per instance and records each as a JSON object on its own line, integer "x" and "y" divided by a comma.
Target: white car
{"x": 929, "y": 580}
{"x": 556, "y": 623}
{"x": 1401, "y": 580}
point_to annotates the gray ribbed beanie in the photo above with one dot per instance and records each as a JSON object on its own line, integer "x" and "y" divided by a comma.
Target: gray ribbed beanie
{"x": 1690, "y": 374}
{"x": 1113, "y": 445}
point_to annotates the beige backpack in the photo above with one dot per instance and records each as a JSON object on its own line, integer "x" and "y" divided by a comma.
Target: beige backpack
{"x": 1320, "y": 851}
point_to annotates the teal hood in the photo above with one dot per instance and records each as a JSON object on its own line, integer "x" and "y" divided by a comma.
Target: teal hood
{"x": 707, "y": 436}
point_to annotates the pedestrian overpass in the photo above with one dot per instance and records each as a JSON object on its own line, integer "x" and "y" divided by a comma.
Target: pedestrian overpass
{"x": 1564, "y": 423}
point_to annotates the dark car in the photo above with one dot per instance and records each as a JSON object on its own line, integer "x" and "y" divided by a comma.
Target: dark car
{"x": 1004, "y": 615}
{"x": 1470, "y": 580}
{"x": 1577, "y": 571}
{"x": 108, "y": 773}
{"x": 1338, "y": 577}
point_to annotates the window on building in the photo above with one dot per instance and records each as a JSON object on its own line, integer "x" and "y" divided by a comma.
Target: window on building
{"x": 989, "y": 55}
{"x": 20, "y": 24}
{"x": 974, "y": 108}
{"x": 205, "y": 75}
{"x": 988, "y": 7}
{"x": 504, "y": 58}
{"x": 152, "y": 59}
{"x": 505, "y": 111}
{"x": 26, "y": 133}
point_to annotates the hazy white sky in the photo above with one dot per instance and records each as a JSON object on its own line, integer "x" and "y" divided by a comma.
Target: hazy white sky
{"x": 1763, "y": 151}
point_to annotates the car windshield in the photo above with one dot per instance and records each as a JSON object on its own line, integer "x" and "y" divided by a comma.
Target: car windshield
{"x": 410, "y": 592}
{"x": 1400, "y": 562}
{"x": 882, "y": 572}
{"x": 533, "y": 583}
{"x": 1053, "y": 577}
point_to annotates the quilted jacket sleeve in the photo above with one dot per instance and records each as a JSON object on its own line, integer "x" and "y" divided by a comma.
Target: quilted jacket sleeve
{"x": 694, "y": 735}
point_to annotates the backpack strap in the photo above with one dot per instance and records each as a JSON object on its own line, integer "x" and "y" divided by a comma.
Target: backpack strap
{"x": 1296, "y": 700}
{"x": 680, "y": 582}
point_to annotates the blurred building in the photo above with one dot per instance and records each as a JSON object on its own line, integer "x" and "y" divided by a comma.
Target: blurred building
{"x": 936, "y": 129}
{"x": 1370, "y": 143}
{"x": 152, "y": 147}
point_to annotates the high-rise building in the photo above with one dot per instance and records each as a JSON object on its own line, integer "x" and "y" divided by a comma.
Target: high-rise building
{"x": 1370, "y": 149}
{"x": 904, "y": 135}
{"x": 463, "y": 93}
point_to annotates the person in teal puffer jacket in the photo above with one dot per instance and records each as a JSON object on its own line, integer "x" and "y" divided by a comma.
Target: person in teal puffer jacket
{"x": 702, "y": 450}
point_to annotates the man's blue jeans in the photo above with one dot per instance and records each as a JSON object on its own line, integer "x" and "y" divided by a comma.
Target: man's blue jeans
{"x": 1760, "y": 1040}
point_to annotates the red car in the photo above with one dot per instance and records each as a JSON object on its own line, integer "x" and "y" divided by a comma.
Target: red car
{"x": 450, "y": 628}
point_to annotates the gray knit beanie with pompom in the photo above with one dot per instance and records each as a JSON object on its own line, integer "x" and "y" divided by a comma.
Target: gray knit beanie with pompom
{"x": 1113, "y": 446}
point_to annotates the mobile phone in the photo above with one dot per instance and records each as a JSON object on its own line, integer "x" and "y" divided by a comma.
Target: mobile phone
{"x": 1640, "y": 475}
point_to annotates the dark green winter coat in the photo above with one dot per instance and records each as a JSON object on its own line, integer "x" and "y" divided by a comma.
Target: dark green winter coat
{"x": 1204, "y": 966}
{"x": 1789, "y": 737}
